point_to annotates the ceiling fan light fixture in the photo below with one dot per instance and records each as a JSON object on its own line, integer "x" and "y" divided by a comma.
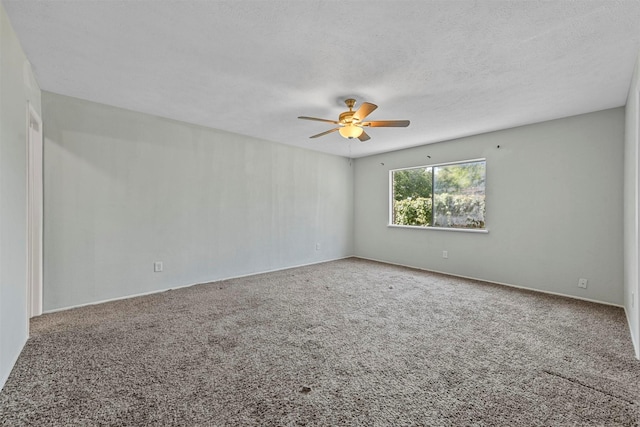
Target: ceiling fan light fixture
{"x": 350, "y": 131}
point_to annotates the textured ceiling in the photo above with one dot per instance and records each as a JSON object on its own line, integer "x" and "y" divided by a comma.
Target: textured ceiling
{"x": 453, "y": 68}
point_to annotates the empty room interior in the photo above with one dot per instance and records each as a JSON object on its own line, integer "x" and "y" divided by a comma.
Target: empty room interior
{"x": 319, "y": 213}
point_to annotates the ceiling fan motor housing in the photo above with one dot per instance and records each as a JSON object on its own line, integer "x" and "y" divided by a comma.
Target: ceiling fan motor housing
{"x": 346, "y": 117}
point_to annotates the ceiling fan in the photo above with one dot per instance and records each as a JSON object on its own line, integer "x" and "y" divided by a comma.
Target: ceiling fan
{"x": 351, "y": 124}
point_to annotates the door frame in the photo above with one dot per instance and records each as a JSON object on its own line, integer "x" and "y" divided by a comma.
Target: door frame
{"x": 35, "y": 212}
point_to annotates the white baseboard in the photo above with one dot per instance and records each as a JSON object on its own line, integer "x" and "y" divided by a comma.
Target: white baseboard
{"x": 188, "y": 285}
{"x": 636, "y": 345}
{"x": 491, "y": 281}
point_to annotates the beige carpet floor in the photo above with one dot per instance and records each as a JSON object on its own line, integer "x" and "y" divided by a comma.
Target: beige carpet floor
{"x": 349, "y": 342}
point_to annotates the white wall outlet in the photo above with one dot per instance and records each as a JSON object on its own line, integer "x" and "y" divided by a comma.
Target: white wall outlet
{"x": 582, "y": 283}
{"x": 317, "y": 246}
{"x": 157, "y": 267}
{"x": 445, "y": 254}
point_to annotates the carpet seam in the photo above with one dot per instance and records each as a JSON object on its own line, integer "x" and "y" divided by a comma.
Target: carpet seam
{"x": 575, "y": 381}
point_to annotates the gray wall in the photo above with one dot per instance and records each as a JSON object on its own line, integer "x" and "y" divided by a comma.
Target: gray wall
{"x": 632, "y": 208}
{"x": 554, "y": 208}
{"x": 17, "y": 87}
{"x": 125, "y": 189}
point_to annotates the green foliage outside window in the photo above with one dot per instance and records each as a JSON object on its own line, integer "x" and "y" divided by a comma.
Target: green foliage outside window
{"x": 460, "y": 178}
{"x": 413, "y": 212}
{"x": 459, "y": 210}
{"x": 412, "y": 184}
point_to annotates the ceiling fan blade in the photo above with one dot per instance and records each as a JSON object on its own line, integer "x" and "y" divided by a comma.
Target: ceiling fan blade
{"x": 365, "y": 109}
{"x": 319, "y": 120}
{"x": 387, "y": 124}
{"x": 364, "y": 137}
{"x": 324, "y": 133}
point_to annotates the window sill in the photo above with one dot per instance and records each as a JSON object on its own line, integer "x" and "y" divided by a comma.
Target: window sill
{"x": 461, "y": 230}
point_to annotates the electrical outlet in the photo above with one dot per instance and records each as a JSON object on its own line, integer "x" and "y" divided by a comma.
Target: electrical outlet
{"x": 582, "y": 283}
{"x": 317, "y": 246}
{"x": 445, "y": 254}
{"x": 157, "y": 266}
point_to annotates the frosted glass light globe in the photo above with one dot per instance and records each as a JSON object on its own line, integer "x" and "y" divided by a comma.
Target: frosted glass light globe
{"x": 351, "y": 131}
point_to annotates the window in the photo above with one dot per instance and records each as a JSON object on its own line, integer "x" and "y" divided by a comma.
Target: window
{"x": 446, "y": 196}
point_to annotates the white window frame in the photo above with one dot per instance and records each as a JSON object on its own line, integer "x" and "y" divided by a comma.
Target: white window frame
{"x": 434, "y": 165}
